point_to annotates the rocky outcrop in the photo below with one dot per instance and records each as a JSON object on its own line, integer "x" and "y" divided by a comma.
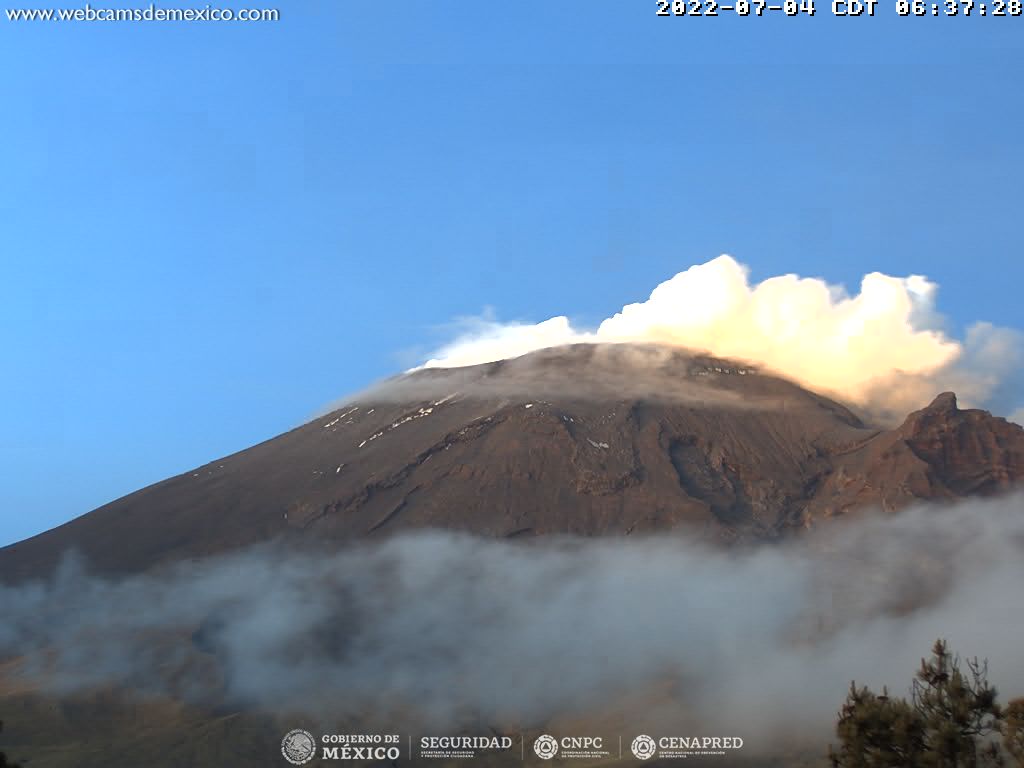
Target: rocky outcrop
{"x": 970, "y": 451}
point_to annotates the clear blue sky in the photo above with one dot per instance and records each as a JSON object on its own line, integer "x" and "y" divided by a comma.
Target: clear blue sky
{"x": 210, "y": 230}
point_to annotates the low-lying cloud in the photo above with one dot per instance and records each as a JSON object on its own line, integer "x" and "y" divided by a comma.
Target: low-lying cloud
{"x": 453, "y": 631}
{"x": 883, "y": 348}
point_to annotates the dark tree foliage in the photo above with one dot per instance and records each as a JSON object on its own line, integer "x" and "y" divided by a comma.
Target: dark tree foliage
{"x": 3, "y": 757}
{"x": 952, "y": 720}
{"x": 958, "y": 708}
{"x": 1013, "y": 731}
{"x": 877, "y": 731}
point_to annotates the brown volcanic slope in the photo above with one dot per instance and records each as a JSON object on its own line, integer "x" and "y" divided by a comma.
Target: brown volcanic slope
{"x": 588, "y": 439}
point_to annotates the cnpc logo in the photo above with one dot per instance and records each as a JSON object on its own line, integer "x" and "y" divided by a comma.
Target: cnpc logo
{"x": 546, "y": 746}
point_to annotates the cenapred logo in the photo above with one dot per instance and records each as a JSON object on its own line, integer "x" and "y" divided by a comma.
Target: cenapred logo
{"x": 298, "y": 746}
{"x": 545, "y": 747}
{"x": 643, "y": 747}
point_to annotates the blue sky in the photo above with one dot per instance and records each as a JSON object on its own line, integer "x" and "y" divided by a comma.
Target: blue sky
{"x": 212, "y": 230}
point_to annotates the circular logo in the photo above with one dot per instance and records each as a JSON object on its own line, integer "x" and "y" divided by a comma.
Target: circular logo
{"x": 643, "y": 747}
{"x": 298, "y": 746}
{"x": 546, "y": 747}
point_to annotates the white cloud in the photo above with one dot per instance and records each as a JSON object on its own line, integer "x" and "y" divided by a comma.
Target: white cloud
{"x": 882, "y": 348}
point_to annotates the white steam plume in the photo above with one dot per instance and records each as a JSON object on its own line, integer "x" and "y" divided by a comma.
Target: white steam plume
{"x": 882, "y": 348}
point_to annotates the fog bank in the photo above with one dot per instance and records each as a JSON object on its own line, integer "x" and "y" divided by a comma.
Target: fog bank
{"x": 450, "y": 631}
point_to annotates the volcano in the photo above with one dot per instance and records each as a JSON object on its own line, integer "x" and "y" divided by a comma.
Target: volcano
{"x": 589, "y": 440}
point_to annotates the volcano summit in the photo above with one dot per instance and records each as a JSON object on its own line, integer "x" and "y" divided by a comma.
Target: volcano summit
{"x": 587, "y": 439}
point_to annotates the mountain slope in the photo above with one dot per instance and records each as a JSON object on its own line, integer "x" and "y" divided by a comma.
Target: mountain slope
{"x": 589, "y": 440}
